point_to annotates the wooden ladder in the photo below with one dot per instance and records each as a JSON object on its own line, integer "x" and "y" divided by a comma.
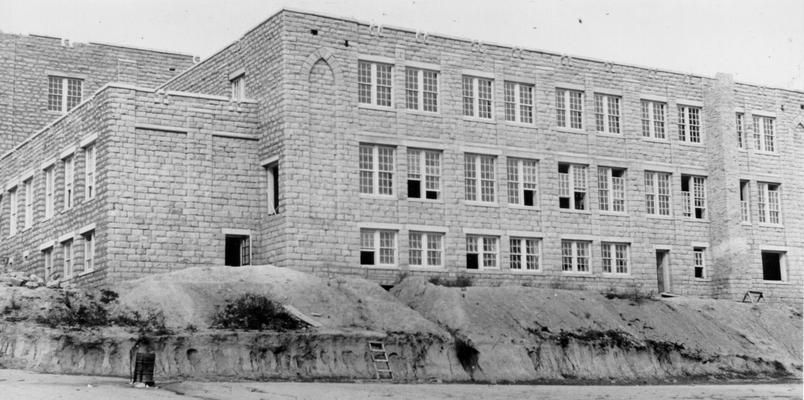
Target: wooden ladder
{"x": 382, "y": 367}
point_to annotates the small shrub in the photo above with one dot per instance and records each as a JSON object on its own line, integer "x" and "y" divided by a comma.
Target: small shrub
{"x": 458, "y": 281}
{"x": 254, "y": 312}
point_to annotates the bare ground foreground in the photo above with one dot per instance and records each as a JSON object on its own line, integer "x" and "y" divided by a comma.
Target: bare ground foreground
{"x": 432, "y": 333}
{"x": 23, "y": 385}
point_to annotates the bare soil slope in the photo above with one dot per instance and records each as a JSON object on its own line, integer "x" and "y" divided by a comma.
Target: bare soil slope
{"x": 523, "y": 333}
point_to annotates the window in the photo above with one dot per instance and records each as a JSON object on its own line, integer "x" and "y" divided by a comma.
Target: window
{"x": 607, "y": 113}
{"x": 374, "y": 83}
{"x": 63, "y": 93}
{"x": 523, "y": 177}
{"x": 477, "y": 97}
{"x": 377, "y": 247}
{"x": 768, "y": 204}
{"x": 693, "y": 196}
{"x": 615, "y": 257}
{"x": 698, "y": 262}
{"x": 424, "y": 174}
{"x": 12, "y": 214}
{"x": 689, "y": 124}
{"x": 764, "y": 134}
{"x": 28, "y": 220}
{"x": 69, "y": 177}
{"x": 525, "y": 253}
{"x": 745, "y": 207}
{"x": 519, "y": 102}
{"x": 237, "y": 250}
{"x": 773, "y": 266}
{"x": 89, "y": 184}
{"x": 421, "y": 89}
{"x": 239, "y": 87}
{"x": 572, "y": 186}
{"x": 426, "y": 249}
{"x": 50, "y": 188}
{"x": 272, "y": 187}
{"x": 653, "y": 119}
{"x": 376, "y": 170}
{"x": 740, "y": 130}
{"x": 611, "y": 189}
{"x": 67, "y": 255}
{"x": 575, "y": 256}
{"x": 89, "y": 251}
{"x": 657, "y": 193}
{"x": 569, "y": 108}
{"x": 479, "y": 167}
{"x": 482, "y": 251}
{"x": 47, "y": 256}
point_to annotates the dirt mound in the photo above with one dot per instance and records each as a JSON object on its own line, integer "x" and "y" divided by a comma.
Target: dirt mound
{"x": 523, "y": 333}
{"x": 189, "y": 297}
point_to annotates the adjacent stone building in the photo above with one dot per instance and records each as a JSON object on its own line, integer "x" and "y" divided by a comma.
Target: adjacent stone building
{"x": 340, "y": 147}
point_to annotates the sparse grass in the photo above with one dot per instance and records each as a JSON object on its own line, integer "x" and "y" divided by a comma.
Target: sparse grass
{"x": 634, "y": 293}
{"x": 458, "y": 281}
{"x": 254, "y": 312}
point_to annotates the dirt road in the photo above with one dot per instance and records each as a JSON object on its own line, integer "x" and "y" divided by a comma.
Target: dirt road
{"x": 23, "y": 385}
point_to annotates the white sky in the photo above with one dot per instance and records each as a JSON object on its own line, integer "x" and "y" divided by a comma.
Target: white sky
{"x": 756, "y": 41}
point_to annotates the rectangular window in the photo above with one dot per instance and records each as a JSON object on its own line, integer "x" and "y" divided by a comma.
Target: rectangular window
{"x": 374, "y": 82}
{"x": 69, "y": 177}
{"x": 47, "y": 256}
{"x": 89, "y": 181}
{"x": 611, "y": 189}
{"x": 63, "y": 93}
{"x": 376, "y": 170}
{"x": 745, "y": 207}
{"x": 12, "y": 214}
{"x": 67, "y": 258}
{"x": 482, "y": 252}
{"x": 424, "y": 174}
{"x": 523, "y": 177}
{"x": 426, "y": 249}
{"x": 50, "y": 188}
{"x": 479, "y": 178}
{"x": 699, "y": 262}
{"x": 689, "y": 124}
{"x": 572, "y": 186}
{"x": 272, "y": 186}
{"x": 653, "y": 119}
{"x": 773, "y": 266}
{"x": 421, "y": 89}
{"x": 575, "y": 256}
{"x": 477, "y": 97}
{"x": 768, "y": 205}
{"x": 239, "y": 87}
{"x": 693, "y": 196}
{"x": 519, "y": 102}
{"x": 607, "y": 113}
{"x": 525, "y": 253}
{"x": 764, "y": 133}
{"x": 615, "y": 257}
{"x": 28, "y": 220}
{"x": 377, "y": 247}
{"x": 657, "y": 193}
{"x": 740, "y": 130}
{"x": 89, "y": 251}
{"x": 569, "y": 108}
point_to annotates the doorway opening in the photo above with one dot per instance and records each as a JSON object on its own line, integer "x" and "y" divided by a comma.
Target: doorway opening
{"x": 663, "y": 271}
{"x": 238, "y": 250}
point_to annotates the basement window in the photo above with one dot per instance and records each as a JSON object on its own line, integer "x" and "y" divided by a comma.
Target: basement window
{"x": 773, "y": 266}
{"x": 238, "y": 250}
{"x": 572, "y": 186}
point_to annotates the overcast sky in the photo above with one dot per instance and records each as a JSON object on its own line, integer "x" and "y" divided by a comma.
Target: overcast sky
{"x": 758, "y": 42}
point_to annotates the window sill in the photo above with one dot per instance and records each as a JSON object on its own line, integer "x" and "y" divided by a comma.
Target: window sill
{"x": 611, "y": 135}
{"x": 482, "y": 270}
{"x": 83, "y": 273}
{"x": 766, "y": 225}
{"x": 694, "y": 279}
{"x": 480, "y": 203}
{"x": 420, "y": 200}
{"x": 766, "y": 153}
{"x": 525, "y": 271}
{"x": 523, "y": 207}
{"x": 704, "y": 220}
{"x": 691, "y": 144}
{"x": 376, "y": 107}
{"x": 380, "y": 266}
{"x": 570, "y": 130}
{"x": 615, "y": 213}
{"x": 521, "y": 124}
{"x": 478, "y": 119}
{"x": 745, "y": 223}
{"x": 573, "y": 211}
{"x": 89, "y": 199}
{"x": 615, "y": 275}
{"x": 434, "y": 114}
{"x": 655, "y": 140}
{"x": 781, "y": 283}
{"x": 662, "y": 217}
{"x": 377, "y": 196}
{"x": 426, "y": 267}
{"x": 576, "y": 273}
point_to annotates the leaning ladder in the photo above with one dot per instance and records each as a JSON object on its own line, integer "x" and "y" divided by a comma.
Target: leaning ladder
{"x": 382, "y": 367}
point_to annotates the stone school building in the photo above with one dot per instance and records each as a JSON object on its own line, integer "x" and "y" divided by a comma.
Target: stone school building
{"x": 340, "y": 147}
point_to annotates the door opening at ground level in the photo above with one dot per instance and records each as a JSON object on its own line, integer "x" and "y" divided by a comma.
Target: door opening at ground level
{"x": 663, "y": 271}
{"x": 238, "y": 250}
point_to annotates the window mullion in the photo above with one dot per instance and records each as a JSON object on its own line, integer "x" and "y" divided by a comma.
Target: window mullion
{"x": 375, "y": 174}
{"x": 520, "y": 166}
{"x": 420, "y": 92}
{"x": 476, "y": 97}
{"x": 373, "y": 79}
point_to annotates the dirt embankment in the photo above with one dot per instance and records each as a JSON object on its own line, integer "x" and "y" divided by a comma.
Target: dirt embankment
{"x": 528, "y": 334}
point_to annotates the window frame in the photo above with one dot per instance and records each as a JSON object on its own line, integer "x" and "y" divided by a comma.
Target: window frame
{"x": 474, "y": 97}
{"x": 606, "y": 175}
{"x": 375, "y": 171}
{"x": 784, "y": 274}
{"x": 699, "y": 261}
{"x": 419, "y": 90}
{"x": 685, "y": 124}
{"x": 238, "y": 87}
{"x": 523, "y": 254}
{"x": 425, "y": 248}
{"x": 13, "y": 211}
{"x": 649, "y": 120}
{"x": 656, "y": 193}
{"x": 575, "y": 256}
{"x": 423, "y": 169}
{"x": 764, "y": 203}
{"x": 477, "y": 179}
{"x": 374, "y": 84}
{"x": 68, "y": 164}
{"x": 68, "y": 258}
{"x": 761, "y": 142}
{"x": 28, "y": 211}
{"x": 377, "y": 248}
{"x": 609, "y": 252}
{"x": 518, "y": 185}
{"x": 481, "y": 251}
{"x": 740, "y": 128}
{"x": 47, "y": 258}
{"x": 571, "y": 187}
{"x": 517, "y": 103}
{"x": 90, "y": 164}
{"x": 564, "y": 109}
{"x": 50, "y": 191}
{"x": 66, "y": 101}
{"x": 604, "y": 119}
{"x": 691, "y": 196}
{"x": 89, "y": 251}
{"x": 745, "y": 201}
{"x": 271, "y": 187}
